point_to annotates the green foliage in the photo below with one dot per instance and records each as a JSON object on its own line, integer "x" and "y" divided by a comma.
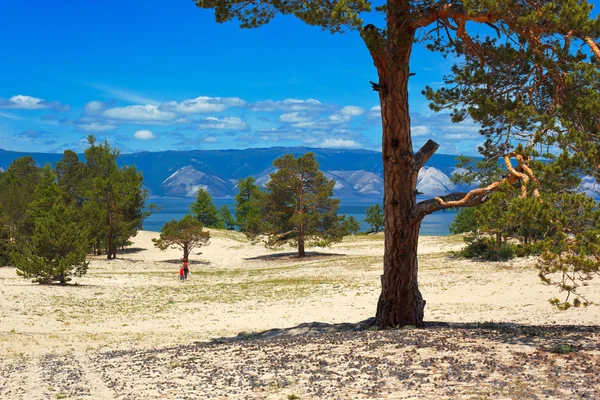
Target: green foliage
{"x": 297, "y": 207}
{"x": 114, "y": 198}
{"x": 464, "y": 221}
{"x": 488, "y": 249}
{"x": 5, "y": 240}
{"x": 374, "y": 217}
{"x": 330, "y": 15}
{"x": 17, "y": 184}
{"x": 70, "y": 173}
{"x": 204, "y": 209}
{"x": 350, "y": 226}
{"x": 57, "y": 249}
{"x": 226, "y": 218}
{"x": 186, "y": 234}
{"x": 247, "y": 206}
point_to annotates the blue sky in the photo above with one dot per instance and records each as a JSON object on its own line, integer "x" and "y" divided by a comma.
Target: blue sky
{"x": 156, "y": 75}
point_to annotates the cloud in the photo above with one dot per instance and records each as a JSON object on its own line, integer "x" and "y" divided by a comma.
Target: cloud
{"x": 374, "y": 113}
{"x": 352, "y": 111}
{"x": 230, "y": 123}
{"x": 123, "y": 94}
{"x": 419, "y": 130}
{"x": 34, "y": 134}
{"x": 294, "y": 117}
{"x": 144, "y": 135}
{"x": 288, "y": 105}
{"x": 210, "y": 139}
{"x": 32, "y": 103}
{"x": 95, "y": 107}
{"x": 139, "y": 113}
{"x": 202, "y": 104}
{"x": 339, "y": 143}
{"x": 96, "y": 127}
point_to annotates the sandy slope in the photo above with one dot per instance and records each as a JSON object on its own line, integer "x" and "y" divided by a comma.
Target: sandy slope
{"x": 90, "y": 340}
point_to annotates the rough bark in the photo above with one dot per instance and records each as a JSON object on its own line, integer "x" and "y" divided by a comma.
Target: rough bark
{"x": 301, "y": 252}
{"x": 400, "y": 302}
{"x": 186, "y": 251}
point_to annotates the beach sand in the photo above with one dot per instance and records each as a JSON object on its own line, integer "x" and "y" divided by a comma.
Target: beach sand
{"x": 257, "y": 323}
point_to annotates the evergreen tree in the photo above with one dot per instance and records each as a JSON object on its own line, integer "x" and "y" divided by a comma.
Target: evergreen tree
{"x": 70, "y": 172}
{"x": 17, "y": 186}
{"x": 464, "y": 221}
{"x": 374, "y": 217}
{"x": 350, "y": 226}
{"x": 247, "y": 209}
{"x": 114, "y": 198}
{"x": 186, "y": 234}
{"x": 5, "y": 240}
{"x": 204, "y": 209}
{"x": 57, "y": 249}
{"x": 226, "y": 218}
{"x": 528, "y": 78}
{"x": 297, "y": 206}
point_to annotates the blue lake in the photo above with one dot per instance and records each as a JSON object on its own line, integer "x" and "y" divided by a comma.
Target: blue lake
{"x": 436, "y": 224}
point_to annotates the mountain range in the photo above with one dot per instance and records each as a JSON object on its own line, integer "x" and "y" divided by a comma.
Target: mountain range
{"x": 357, "y": 173}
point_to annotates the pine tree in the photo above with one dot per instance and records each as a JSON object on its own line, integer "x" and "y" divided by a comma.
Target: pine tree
{"x": 204, "y": 209}
{"x": 226, "y": 218}
{"x": 58, "y": 247}
{"x": 350, "y": 226}
{"x": 186, "y": 234}
{"x": 70, "y": 173}
{"x": 527, "y": 77}
{"x": 114, "y": 198}
{"x": 247, "y": 210}
{"x": 374, "y": 217}
{"x": 297, "y": 207}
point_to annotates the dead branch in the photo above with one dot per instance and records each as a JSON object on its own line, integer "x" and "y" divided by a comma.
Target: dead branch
{"x": 479, "y": 196}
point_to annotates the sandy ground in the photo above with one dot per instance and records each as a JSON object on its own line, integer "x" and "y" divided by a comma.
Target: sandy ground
{"x": 254, "y": 323}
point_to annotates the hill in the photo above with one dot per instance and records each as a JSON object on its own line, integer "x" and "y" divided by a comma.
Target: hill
{"x": 358, "y": 173}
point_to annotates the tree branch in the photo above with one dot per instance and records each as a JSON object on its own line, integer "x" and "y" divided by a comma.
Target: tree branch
{"x": 593, "y": 46}
{"x": 375, "y": 44}
{"x": 480, "y": 195}
{"x": 425, "y": 153}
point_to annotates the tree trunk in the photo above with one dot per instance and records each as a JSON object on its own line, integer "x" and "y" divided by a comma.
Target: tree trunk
{"x": 301, "y": 252}
{"x": 400, "y": 302}
{"x": 186, "y": 251}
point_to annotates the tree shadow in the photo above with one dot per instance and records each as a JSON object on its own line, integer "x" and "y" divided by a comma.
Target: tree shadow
{"x": 550, "y": 338}
{"x": 310, "y": 255}
{"x": 190, "y": 262}
{"x": 131, "y": 250}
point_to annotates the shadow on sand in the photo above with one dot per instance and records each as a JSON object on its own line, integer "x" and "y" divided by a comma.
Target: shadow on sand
{"x": 310, "y": 255}
{"x": 190, "y": 262}
{"x": 546, "y": 337}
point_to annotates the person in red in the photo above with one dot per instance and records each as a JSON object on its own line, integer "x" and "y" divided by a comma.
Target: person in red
{"x": 181, "y": 274}
{"x": 185, "y": 269}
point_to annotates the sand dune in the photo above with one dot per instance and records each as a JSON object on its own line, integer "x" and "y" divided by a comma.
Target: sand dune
{"x": 255, "y": 323}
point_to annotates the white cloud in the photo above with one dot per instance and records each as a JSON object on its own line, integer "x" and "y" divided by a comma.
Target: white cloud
{"x": 339, "y": 143}
{"x": 339, "y": 118}
{"x": 96, "y": 127}
{"x": 210, "y": 139}
{"x": 94, "y": 107}
{"x": 294, "y": 117}
{"x": 144, "y": 135}
{"x": 420, "y": 130}
{"x": 352, "y": 111}
{"x": 202, "y": 104}
{"x": 459, "y": 136}
{"x": 139, "y": 113}
{"x": 125, "y": 95}
{"x": 31, "y": 103}
{"x": 288, "y": 105}
{"x": 230, "y": 123}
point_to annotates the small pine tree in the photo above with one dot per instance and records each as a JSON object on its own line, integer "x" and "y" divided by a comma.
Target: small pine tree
{"x": 297, "y": 207}
{"x": 374, "y": 217}
{"x": 186, "y": 234}
{"x": 247, "y": 209}
{"x": 204, "y": 209}
{"x": 57, "y": 249}
{"x": 350, "y": 226}
{"x": 226, "y": 218}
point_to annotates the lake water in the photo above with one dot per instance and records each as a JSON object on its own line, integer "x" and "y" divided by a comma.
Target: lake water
{"x": 436, "y": 224}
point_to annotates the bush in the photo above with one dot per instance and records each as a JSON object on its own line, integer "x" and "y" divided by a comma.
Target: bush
{"x": 488, "y": 249}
